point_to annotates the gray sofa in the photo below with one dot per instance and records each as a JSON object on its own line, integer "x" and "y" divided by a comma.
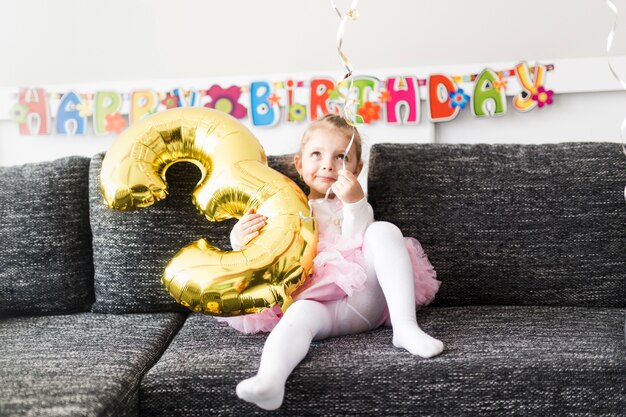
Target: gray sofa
{"x": 528, "y": 241}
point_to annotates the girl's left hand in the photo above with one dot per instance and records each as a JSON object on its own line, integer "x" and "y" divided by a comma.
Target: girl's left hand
{"x": 347, "y": 187}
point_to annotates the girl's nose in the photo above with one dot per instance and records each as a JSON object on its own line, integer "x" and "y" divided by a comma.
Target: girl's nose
{"x": 328, "y": 165}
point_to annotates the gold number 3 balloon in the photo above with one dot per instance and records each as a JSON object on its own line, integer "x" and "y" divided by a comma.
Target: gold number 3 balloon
{"x": 235, "y": 178}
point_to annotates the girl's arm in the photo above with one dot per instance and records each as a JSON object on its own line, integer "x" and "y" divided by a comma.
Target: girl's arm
{"x": 356, "y": 218}
{"x": 357, "y": 212}
{"x": 234, "y": 243}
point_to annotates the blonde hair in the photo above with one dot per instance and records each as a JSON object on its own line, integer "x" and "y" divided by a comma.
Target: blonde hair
{"x": 335, "y": 120}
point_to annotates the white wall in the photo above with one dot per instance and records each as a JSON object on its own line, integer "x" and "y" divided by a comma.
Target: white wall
{"x": 82, "y": 41}
{"x": 119, "y": 44}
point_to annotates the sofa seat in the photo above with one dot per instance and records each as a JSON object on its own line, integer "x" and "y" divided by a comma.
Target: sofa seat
{"x": 81, "y": 364}
{"x": 498, "y": 360}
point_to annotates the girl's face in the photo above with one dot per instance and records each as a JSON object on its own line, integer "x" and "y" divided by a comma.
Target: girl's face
{"x": 322, "y": 157}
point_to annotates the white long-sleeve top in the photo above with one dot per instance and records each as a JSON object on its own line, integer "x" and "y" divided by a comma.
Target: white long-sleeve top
{"x": 347, "y": 219}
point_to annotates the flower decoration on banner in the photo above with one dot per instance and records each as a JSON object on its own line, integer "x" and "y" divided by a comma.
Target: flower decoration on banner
{"x": 297, "y": 112}
{"x": 115, "y": 123}
{"x": 274, "y": 100}
{"x": 84, "y": 109}
{"x": 384, "y": 96}
{"x": 501, "y": 83}
{"x": 334, "y": 94}
{"x": 227, "y": 100}
{"x": 543, "y": 97}
{"x": 19, "y": 113}
{"x": 170, "y": 101}
{"x": 458, "y": 98}
{"x": 369, "y": 112}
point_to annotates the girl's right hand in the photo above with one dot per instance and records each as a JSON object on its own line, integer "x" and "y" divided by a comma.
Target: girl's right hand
{"x": 248, "y": 227}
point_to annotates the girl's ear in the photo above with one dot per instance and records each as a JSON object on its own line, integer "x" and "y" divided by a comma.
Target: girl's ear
{"x": 297, "y": 161}
{"x": 359, "y": 167}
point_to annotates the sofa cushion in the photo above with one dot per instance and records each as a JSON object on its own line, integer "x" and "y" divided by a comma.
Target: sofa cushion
{"x": 511, "y": 224}
{"x": 131, "y": 249}
{"x": 45, "y": 255}
{"x": 79, "y": 365}
{"x": 498, "y": 360}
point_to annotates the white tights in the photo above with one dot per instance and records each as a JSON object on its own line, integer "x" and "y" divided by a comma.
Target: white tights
{"x": 389, "y": 283}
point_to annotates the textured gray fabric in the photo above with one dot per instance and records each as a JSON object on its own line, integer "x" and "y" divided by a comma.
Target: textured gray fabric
{"x": 79, "y": 365}
{"x": 45, "y": 251}
{"x": 498, "y": 361}
{"x": 511, "y": 224}
{"x": 131, "y": 249}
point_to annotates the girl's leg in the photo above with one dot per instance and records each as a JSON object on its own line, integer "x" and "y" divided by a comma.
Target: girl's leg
{"x": 285, "y": 347}
{"x": 388, "y": 259}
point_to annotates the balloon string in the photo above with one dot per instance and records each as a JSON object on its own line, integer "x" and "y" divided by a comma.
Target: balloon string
{"x": 609, "y": 44}
{"x": 353, "y": 14}
{"x": 310, "y": 217}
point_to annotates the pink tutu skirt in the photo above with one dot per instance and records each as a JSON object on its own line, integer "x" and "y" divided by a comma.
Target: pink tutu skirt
{"x": 339, "y": 270}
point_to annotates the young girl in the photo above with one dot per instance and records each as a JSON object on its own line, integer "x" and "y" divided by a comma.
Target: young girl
{"x": 365, "y": 274}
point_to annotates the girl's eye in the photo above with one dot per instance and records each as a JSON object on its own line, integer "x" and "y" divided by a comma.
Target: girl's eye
{"x": 342, "y": 157}
{"x": 316, "y": 154}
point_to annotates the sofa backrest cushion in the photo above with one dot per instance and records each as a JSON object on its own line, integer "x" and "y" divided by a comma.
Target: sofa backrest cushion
{"x": 45, "y": 252}
{"x": 132, "y": 248}
{"x": 511, "y": 224}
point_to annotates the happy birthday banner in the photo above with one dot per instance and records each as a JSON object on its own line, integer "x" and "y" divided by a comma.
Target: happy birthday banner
{"x": 395, "y": 100}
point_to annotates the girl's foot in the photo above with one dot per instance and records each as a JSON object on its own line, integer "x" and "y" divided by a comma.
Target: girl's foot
{"x": 267, "y": 394}
{"x": 416, "y": 341}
